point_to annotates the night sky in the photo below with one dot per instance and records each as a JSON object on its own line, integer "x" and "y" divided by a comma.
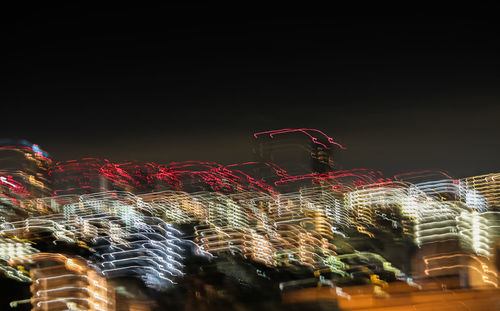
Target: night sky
{"x": 402, "y": 94}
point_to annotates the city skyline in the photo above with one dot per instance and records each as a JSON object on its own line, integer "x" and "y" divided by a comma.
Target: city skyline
{"x": 157, "y": 159}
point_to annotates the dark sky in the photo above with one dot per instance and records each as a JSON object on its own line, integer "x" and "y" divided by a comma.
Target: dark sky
{"x": 401, "y": 93}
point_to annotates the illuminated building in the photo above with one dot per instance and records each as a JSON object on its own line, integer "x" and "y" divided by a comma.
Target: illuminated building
{"x": 24, "y": 172}
{"x": 61, "y": 282}
{"x": 479, "y": 232}
{"x": 12, "y": 248}
{"x": 482, "y": 192}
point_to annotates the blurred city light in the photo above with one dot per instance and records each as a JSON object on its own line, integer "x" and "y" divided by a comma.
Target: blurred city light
{"x": 288, "y": 231}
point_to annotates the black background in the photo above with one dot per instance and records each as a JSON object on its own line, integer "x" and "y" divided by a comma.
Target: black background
{"x": 402, "y": 93}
